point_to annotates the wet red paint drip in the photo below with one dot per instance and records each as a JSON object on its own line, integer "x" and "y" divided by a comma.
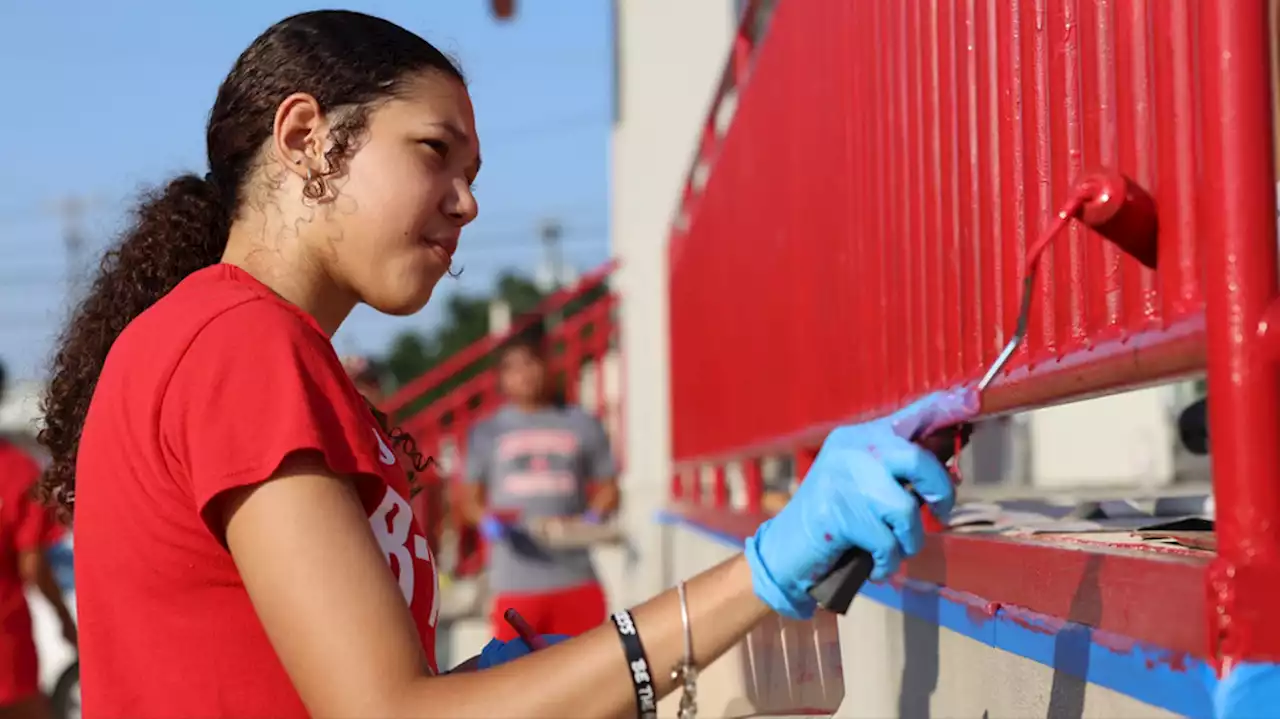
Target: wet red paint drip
{"x": 1243, "y": 628}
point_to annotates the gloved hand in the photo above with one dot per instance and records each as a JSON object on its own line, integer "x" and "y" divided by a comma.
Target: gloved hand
{"x": 492, "y": 528}
{"x": 851, "y": 498}
{"x": 1250, "y": 691}
{"x": 499, "y": 652}
{"x": 591, "y": 516}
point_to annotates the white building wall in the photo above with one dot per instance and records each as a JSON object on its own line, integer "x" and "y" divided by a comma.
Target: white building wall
{"x": 670, "y": 56}
{"x": 1124, "y": 439}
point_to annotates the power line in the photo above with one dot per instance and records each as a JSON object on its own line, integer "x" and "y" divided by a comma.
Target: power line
{"x": 47, "y": 276}
{"x": 95, "y": 207}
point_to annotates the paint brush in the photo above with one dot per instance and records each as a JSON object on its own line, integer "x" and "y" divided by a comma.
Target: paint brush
{"x": 526, "y": 632}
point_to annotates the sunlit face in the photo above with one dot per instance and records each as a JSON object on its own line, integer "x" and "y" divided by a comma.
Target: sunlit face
{"x": 521, "y": 374}
{"x": 402, "y": 198}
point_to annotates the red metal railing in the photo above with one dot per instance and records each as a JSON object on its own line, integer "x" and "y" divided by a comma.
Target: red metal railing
{"x": 478, "y": 351}
{"x": 855, "y": 237}
{"x": 579, "y": 344}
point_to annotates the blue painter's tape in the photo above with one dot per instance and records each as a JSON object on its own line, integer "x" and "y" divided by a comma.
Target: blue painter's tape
{"x": 1148, "y": 673}
{"x": 1250, "y": 691}
{"x": 670, "y": 518}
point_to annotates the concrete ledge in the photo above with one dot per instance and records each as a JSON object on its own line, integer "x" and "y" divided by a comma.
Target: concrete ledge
{"x": 914, "y": 647}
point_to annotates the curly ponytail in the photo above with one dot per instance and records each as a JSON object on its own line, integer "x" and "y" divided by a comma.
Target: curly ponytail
{"x": 176, "y": 230}
{"x": 343, "y": 59}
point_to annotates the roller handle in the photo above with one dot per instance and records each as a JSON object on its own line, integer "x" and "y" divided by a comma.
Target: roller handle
{"x": 837, "y": 588}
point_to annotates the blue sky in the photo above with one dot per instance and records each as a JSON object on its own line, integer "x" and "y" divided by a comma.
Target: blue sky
{"x": 102, "y": 99}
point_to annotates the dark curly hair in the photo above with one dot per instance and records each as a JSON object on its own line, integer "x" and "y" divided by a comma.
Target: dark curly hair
{"x": 532, "y": 338}
{"x": 349, "y": 62}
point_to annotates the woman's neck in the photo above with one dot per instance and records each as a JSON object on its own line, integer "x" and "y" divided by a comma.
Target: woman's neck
{"x": 281, "y": 260}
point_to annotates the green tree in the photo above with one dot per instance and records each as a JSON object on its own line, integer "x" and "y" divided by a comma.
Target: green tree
{"x": 466, "y": 321}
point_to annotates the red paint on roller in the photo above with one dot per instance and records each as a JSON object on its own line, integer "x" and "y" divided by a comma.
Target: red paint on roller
{"x": 1121, "y": 211}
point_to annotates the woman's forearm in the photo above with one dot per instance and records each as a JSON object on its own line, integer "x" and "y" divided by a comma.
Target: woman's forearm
{"x": 588, "y": 676}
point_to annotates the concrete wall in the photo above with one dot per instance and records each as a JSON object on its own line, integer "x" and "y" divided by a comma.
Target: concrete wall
{"x": 671, "y": 53}
{"x": 879, "y": 662}
{"x": 899, "y": 665}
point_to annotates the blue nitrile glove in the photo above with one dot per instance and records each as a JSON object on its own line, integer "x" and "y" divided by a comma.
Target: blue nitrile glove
{"x": 492, "y": 528}
{"x": 499, "y": 652}
{"x": 851, "y": 497}
{"x": 1250, "y": 691}
{"x": 591, "y": 516}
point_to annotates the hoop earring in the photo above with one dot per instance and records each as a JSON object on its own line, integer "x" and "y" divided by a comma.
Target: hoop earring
{"x": 313, "y": 188}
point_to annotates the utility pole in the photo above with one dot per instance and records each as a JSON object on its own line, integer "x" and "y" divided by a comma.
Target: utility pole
{"x": 71, "y": 211}
{"x": 551, "y": 232}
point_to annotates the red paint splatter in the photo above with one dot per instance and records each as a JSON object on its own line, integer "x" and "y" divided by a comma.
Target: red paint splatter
{"x": 1241, "y": 609}
{"x": 980, "y": 614}
{"x": 979, "y": 611}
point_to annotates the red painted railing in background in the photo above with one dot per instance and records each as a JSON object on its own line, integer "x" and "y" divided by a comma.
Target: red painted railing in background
{"x": 443, "y": 371}
{"x": 584, "y": 339}
{"x": 855, "y": 237}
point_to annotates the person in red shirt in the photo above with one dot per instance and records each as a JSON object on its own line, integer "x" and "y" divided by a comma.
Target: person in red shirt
{"x": 27, "y": 529}
{"x": 244, "y": 542}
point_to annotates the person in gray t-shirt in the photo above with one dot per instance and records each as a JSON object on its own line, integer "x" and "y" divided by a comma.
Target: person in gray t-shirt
{"x": 535, "y": 460}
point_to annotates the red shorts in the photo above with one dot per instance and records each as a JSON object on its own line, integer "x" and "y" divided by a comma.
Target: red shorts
{"x": 562, "y": 611}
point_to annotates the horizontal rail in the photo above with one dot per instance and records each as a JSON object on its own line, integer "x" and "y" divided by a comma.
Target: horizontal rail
{"x": 478, "y": 350}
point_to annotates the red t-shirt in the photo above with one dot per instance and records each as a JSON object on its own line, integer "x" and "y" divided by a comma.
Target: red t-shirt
{"x": 208, "y": 390}
{"x": 25, "y": 525}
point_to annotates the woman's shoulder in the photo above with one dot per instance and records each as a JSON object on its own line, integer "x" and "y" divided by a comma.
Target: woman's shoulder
{"x": 217, "y": 302}
{"x": 215, "y": 328}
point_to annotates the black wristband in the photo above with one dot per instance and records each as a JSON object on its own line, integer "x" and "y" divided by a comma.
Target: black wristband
{"x": 637, "y": 664}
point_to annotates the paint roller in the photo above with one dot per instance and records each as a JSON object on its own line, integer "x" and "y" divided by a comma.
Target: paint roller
{"x": 1114, "y": 207}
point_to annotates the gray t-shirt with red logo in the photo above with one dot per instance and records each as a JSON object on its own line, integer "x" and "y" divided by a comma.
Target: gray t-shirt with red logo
{"x": 539, "y": 463}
